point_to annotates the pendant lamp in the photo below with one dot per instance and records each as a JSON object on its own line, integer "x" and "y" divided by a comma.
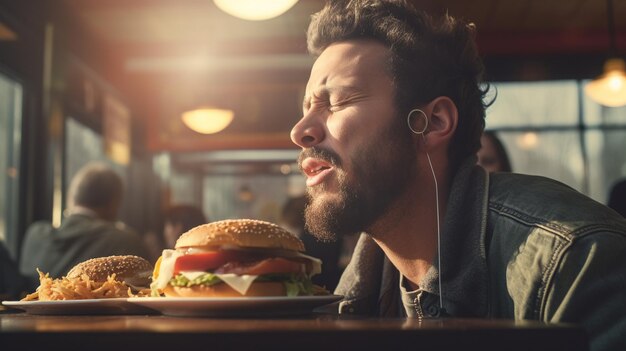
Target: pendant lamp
{"x": 609, "y": 89}
{"x": 208, "y": 120}
{"x": 255, "y": 10}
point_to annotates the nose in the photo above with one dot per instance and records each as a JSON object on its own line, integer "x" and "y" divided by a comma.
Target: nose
{"x": 307, "y": 132}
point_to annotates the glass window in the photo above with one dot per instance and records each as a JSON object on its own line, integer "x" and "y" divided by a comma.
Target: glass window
{"x": 553, "y": 154}
{"x": 82, "y": 146}
{"x": 10, "y": 141}
{"x": 533, "y": 104}
{"x": 607, "y": 160}
{"x": 257, "y": 197}
{"x": 547, "y": 130}
{"x": 596, "y": 115}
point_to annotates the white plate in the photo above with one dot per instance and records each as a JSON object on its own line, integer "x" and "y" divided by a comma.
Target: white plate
{"x": 235, "y": 306}
{"x": 73, "y": 307}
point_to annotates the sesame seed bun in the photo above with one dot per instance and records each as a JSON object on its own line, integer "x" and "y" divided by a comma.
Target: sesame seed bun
{"x": 240, "y": 232}
{"x": 124, "y": 267}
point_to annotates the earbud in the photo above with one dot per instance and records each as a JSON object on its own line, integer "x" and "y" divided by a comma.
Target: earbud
{"x": 413, "y": 113}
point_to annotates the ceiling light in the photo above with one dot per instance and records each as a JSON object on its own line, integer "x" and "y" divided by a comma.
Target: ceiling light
{"x": 208, "y": 120}
{"x": 610, "y": 88}
{"x": 528, "y": 141}
{"x": 255, "y": 10}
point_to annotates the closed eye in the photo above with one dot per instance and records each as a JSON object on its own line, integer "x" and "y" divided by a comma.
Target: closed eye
{"x": 343, "y": 103}
{"x": 336, "y": 107}
{"x": 316, "y": 103}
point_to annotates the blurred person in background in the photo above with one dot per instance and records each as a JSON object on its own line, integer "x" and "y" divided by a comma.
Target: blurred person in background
{"x": 12, "y": 283}
{"x": 617, "y": 197}
{"x": 179, "y": 219}
{"x": 492, "y": 155}
{"x": 292, "y": 219}
{"x": 393, "y": 113}
{"x": 89, "y": 228}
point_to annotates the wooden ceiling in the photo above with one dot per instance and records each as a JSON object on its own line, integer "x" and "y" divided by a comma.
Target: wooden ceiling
{"x": 140, "y": 27}
{"x": 168, "y": 55}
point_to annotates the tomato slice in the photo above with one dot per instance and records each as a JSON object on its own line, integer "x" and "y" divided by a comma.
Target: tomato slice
{"x": 205, "y": 261}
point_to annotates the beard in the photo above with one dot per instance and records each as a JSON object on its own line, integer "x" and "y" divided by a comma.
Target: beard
{"x": 379, "y": 172}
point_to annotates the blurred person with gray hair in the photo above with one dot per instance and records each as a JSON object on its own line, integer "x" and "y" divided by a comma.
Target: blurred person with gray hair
{"x": 89, "y": 228}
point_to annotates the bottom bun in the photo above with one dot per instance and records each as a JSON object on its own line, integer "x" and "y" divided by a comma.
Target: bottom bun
{"x": 223, "y": 290}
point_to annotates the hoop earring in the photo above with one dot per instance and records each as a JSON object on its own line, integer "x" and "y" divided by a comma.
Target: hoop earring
{"x": 408, "y": 120}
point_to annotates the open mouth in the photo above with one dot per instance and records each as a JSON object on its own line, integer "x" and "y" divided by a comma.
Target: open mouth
{"x": 312, "y": 167}
{"x": 315, "y": 170}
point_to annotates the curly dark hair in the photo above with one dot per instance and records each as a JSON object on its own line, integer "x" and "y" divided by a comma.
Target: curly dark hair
{"x": 429, "y": 57}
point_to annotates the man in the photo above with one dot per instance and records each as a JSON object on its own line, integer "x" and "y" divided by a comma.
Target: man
{"x": 617, "y": 197}
{"x": 492, "y": 155}
{"x": 179, "y": 219}
{"x": 90, "y": 229}
{"x": 393, "y": 115}
{"x": 12, "y": 283}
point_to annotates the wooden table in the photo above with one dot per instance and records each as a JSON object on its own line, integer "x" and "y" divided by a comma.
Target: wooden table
{"x": 311, "y": 332}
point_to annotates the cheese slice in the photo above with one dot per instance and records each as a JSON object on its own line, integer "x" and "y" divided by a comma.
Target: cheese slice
{"x": 240, "y": 283}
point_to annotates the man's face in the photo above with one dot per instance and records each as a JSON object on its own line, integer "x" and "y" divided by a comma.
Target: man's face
{"x": 357, "y": 152}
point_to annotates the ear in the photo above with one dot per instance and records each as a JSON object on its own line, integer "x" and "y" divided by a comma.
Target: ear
{"x": 444, "y": 118}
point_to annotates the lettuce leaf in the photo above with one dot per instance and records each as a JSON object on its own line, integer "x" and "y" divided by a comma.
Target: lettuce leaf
{"x": 205, "y": 279}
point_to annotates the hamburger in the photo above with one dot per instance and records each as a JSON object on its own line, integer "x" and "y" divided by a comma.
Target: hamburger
{"x": 97, "y": 278}
{"x": 134, "y": 271}
{"x": 236, "y": 258}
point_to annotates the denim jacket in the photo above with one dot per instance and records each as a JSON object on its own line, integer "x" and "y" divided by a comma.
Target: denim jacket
{"x": 513, "y": 246}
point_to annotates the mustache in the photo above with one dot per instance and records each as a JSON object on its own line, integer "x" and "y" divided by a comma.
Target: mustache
{"x": 319, "y": 153}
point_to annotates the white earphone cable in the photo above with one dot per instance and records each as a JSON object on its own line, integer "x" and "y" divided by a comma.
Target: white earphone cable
{"x": 438, "y": 228}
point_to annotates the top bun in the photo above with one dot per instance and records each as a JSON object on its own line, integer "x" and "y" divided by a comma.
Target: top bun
{"x": 240, "y": 232}
{"x": 124, "y": 267}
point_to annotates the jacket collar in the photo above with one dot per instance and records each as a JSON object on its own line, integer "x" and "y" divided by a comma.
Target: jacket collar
{"x": 463, "y": 256}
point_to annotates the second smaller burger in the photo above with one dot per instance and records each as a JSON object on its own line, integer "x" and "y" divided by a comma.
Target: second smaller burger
{"x": 236, "y": 258}
{"x": 97, "y": 278}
